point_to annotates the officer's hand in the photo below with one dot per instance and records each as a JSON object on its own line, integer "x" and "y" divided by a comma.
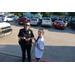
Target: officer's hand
{"x": 23, "y": 38}
{"x": 28, "y": 39}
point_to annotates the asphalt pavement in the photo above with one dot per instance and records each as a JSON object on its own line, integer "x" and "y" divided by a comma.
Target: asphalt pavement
{"x": 59, "y": 45}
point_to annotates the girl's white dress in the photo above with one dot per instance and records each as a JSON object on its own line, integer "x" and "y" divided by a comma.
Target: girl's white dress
{"x": 40, "y": 43}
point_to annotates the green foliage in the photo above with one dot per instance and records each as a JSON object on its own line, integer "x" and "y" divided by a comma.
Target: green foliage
{"x": 71, "y": 13}
{"x": 58, "y": 13}
{"x": 34, "y": 13}
{"x": 17, "y": 13}
{"x": 45, "y": 14}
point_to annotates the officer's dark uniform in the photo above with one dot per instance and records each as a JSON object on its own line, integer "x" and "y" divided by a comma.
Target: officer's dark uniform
{"x": 24, "y": 44}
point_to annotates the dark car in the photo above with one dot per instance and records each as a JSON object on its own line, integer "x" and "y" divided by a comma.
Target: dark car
{"x": 2, "y": 16}
{"x": 59, "y": 24}
{"x": 22, "y": 20}
{"x": 21, "y": 16}
{"x": 39, "y": 22}
{"x": 55, "y": 18}
{"x": 71, "y": 24}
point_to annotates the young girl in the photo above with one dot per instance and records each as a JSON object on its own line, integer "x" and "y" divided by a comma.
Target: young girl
{"x": 39, "y": 45}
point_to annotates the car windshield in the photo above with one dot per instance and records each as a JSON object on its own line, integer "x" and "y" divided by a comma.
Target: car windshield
{"x": 34, "y": 19}
{"x": 2, "y": 15}
{"x": 9, "y": 17}
{"x": 46, "y": 19}
{"x": 60, "y": 22}
{"x": 22, "y": 18}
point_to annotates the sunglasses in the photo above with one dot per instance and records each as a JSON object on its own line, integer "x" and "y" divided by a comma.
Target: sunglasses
{"x": 27, "y": 25}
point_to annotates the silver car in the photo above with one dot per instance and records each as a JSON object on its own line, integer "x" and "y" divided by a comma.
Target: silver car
{"x": 46, "y": 22}
{"x": 34, "y": 21}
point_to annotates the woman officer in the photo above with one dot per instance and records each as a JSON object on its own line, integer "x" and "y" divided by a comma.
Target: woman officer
{"x": 26, "y": 35}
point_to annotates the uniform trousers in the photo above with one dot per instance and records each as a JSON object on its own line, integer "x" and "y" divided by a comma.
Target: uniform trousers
{"x": 24, "y": 48}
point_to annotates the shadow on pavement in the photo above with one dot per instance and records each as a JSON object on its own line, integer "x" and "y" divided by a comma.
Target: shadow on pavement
{"x": 12, "y": 53}
{"x": 51, "y": 29}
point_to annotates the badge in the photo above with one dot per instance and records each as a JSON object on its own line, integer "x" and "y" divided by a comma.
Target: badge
{"x": 29, "y": 32}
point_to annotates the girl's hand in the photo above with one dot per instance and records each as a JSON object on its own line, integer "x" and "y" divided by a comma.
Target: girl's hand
{"x": 34, "y": 44}
{"x": 41, "y": 50}
{"x": 34, "y": 38}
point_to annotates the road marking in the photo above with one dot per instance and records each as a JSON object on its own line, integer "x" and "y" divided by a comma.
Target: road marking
{"x": 44, "y": 60}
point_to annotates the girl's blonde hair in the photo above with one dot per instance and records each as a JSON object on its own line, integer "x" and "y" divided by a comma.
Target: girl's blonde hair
{"x": 42, "y": 32}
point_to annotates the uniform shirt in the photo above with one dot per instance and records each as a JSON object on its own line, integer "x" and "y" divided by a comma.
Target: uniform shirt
{"x": 40, "y": 43}
{"x": 26, "y": 34}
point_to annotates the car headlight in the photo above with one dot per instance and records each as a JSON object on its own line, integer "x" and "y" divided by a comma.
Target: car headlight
{"x": 10, "y": 27}
{"x": 0, "y": 30}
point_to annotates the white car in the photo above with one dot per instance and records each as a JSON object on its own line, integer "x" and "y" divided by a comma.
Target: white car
{"x": 8, "y": 18}
{"x": 34, "y": 21}
{"x": 46, "y": 22}
{"x": 5, "y": 28}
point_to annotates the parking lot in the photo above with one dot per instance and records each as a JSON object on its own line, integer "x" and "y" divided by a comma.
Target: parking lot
{"x": 59, "y": 44}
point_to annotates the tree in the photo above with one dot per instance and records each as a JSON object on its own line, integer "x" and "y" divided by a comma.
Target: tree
{"x": 17, "y": 13}
{"x": 34, "y": 13}
{"x": 58, "y": 13}
{"x": 43, "y": 13}
{"x": 71, "y": 14}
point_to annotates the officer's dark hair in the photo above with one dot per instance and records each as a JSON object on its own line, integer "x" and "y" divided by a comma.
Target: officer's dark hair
{"x": 25, "y": 23}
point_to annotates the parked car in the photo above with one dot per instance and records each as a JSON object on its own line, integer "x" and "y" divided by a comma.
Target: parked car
{"x": 16, "y": 18}
{"x": 59, "y": 24}
{"x": 39, "y": 22}
{"x": 22, "y": 16}
{"x": 28, "y": 19}
{"x": 71, "y": 24}
{"x": 34, "y": 21}
{"x": 66, "y": 23}
{"x": 46, "y": 22}
{"x": 53, "y": 19}
{"x": 22, "y": 20}
{"x": 2, "y": 16}
{"x": 5, "y": 28}
{"x": 8, "y": 18}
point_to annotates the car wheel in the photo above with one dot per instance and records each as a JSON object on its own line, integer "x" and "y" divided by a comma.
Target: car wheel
{"x": 67, "y": 25}
{"x": 72, "y": 27}
{"x": 55, "y": 27}
{"x": 41, "y": 25}
{"x": 49, "y": 26}
{"x": 7, "y": 21}
{"x": 19, "y": 23}
{"x": 37, "y": 24}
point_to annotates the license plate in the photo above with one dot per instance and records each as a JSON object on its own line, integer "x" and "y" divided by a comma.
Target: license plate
{"x": 33, "y": 22}
{"x": 21, "y": 22}
{"x": 44, "y": 22}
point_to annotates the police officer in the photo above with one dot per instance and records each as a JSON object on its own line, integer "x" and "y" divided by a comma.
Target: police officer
{"x": 26, "y": 35}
